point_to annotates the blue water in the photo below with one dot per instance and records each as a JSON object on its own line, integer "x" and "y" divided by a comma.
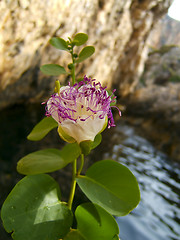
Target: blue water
{"x": 157, "y": 217}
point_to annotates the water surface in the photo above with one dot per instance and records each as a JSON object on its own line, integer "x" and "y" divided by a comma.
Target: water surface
{"x": 157, "y": 217}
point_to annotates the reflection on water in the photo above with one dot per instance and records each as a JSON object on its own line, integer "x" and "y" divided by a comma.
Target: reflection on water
{"x": 157, "y": 217}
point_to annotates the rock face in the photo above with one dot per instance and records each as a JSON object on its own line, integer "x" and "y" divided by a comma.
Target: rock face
{"x": 119, "y": 31}
{"x": 166, "y": 32}
{"x": 162, "y": 66}
{"x": 156, "y": 105}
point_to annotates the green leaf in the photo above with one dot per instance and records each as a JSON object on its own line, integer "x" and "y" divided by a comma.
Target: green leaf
{"x": 74, "y": 234}
{"x": 33, "y": 211}
{"x": 113, "y": 98}
{"x": 87, "y": 146}
{"x": 95, "y": 223}
{"x": 59, "y": 43}
{"x": 96, "y": 141}
{"x": 53, "y": 69}
{"x": 112, "y": 186}
{"x": 42, "y": 129}
{"x": 85, "y": 53}
{"x": 80, "y": 39}
{"x": 48, "y": 160}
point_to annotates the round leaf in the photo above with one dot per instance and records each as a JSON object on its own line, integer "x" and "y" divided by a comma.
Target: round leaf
{"x": 85, "y": 53}
{"x": 48, "y": 160}
{"x": 80, "y": 39}
{"x": 95, "y": 223}
{"x": 112, "y": 186}
{"x": 59, "y": 43}
{"x": 53, "y": 69}
{"x": 42, "y": 129}
{"x": 33, "y": 210}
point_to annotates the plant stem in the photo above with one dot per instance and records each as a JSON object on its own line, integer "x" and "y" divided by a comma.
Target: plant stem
{"x": 73, "y": 185}
{"x": 81, "y": 164}
{"x": 73, "y": 74}
{"x": 73, "y": 66}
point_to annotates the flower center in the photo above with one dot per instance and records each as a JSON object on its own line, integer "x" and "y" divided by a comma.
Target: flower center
{"x": 80, "y": 102}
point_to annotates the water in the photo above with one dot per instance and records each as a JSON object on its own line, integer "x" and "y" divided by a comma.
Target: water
{"x": 157, "y": 217}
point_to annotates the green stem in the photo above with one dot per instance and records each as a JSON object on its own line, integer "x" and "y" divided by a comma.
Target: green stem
{"x": 73, "y": 185}
{"x": 81, "y": 164}
{"x": 73, "y": 74}
{"x": 73, "y": 67}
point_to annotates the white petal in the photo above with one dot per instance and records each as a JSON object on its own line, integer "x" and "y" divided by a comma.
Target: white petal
{"x": 83, "y": 130}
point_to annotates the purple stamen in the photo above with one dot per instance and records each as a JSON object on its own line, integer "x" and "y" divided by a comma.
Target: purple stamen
{"x": 82, "y": 101}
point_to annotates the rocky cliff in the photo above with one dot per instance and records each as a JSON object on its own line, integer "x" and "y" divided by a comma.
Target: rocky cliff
{"x": 166, "y": 32}
{"x": 118, "y": 29}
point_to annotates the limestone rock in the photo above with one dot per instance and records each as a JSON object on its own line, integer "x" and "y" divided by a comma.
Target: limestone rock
{"x": 166, "y": 32}
{"x": 162, "y": 66}
{"x": 118, "y": 29}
